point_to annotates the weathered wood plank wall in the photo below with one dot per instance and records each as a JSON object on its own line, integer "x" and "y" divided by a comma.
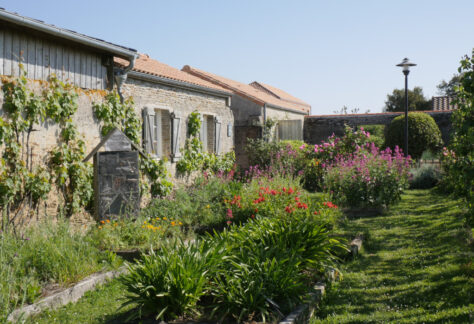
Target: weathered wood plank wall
{"x": 42, "y": 57}
{"x": 290, "y": 130}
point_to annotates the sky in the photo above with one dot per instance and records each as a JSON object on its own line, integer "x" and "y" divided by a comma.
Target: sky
{"x": 328, "y": 53}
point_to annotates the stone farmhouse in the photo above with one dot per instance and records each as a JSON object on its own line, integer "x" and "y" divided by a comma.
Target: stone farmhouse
{"x": 254, "y": 103}
{"x": 164, "y": 96}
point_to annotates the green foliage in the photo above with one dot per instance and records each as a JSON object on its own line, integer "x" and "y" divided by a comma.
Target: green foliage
{"x": 367, "y": 178}
{"x": 415, "y": 267}
{"x": 416, "y": 100}
{"x": 170, "y": 283}
{"x": 47, "y": 253}
{"x": 425, "y": 177}
{"x": 266, "y": 265}
{"x": 114, "y": 113}
{"x": 195, "y": 159}
{"x": 449, "y": 88}
{"x": 377, "y": 134}
{"x": 459, "y": 159}
{"x": 423, "y": 134}
{"x": 242, "y": 272}
{"x": 22, "y": 182}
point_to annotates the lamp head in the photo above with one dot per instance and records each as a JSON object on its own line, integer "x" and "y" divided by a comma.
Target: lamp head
{"x": 406, "y": 64}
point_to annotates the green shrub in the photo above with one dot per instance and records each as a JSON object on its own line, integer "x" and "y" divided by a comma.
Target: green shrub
{"x": 425, "y": 177}
{"x": 368, "y": 178}
{"x": 423, "y": 134}
{"x": 170, "y": 284}
{"x": 458, "y": 160}
{"x": 377, "y": 134}
{"x": 244, "y": 271}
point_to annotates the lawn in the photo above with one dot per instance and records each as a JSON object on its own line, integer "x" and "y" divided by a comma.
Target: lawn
{"x": 416, "y": 266}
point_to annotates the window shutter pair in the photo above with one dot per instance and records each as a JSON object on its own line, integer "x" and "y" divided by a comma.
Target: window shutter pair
{"x": 152, "y": 139}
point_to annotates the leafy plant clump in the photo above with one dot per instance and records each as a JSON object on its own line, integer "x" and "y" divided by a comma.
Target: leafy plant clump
{"x": 46, "y": 255}
{"x": 251, "y": 272}
{"x": 25, "y": 182}
{"x": 368, "y": 178}
{"x": 458, "y": 159}
{"x": 423, "y": 134}
{"x": 425, "y": 177}
{"x": 195, "y": 159}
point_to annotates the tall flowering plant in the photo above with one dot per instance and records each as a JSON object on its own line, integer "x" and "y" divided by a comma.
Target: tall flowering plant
{"x": 369, "y": 177}
{"x": 318, "y": 157}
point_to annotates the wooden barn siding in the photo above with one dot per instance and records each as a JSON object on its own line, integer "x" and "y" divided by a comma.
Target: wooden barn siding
{"x": 290, "y": 130}
{"x": 41, "y": 58}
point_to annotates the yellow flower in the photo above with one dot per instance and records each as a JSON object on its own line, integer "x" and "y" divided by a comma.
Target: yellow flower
{"x": 108, "y": 221}
{"x": 164, "y": 218}
{"x": 180, "y": 223}
{"x": 157, "y": 218}
{"x": 208, "y": 206}
{"x": 100, "y": 227}
{"x": 115, "y": 224}
{"x": 173, "y": 223}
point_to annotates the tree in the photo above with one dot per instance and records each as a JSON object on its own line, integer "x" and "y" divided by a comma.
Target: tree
{"x": 416, "y": 100}
{"x": 448, "y": 88}
{"x": 459, "y": 159}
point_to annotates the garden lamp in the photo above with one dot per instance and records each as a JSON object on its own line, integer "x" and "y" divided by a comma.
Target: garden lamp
{"x": 406, "y": 70}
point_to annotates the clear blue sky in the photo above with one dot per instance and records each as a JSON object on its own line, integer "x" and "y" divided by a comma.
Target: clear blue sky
{"x": 328, "y": 53}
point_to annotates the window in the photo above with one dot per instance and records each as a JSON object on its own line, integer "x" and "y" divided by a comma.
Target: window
{"x": 157, "y": 132}
{"x": 210, "y": 134}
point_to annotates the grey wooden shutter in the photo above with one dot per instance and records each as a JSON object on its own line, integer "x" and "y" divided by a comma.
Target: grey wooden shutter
{"x": 157, "y": 134}
{"x": 176, "y": 129}
{"x": 217, "y": 135}
{"x": 203, "y": 133}
{"x": 148, "y": 127}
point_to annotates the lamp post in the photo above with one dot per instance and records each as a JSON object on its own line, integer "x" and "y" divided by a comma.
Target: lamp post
{"x": 406, "y": 70}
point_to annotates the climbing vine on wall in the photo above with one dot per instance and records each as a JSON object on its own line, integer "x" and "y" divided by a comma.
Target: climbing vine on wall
{"x": 23, "y": 182}
{"x": 195, "y": 159}
{"x": 116, "y": 114}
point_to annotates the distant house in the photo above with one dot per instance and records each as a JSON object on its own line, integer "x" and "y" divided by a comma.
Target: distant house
{"x": 165, "y": 97}
{"x": 443, "y": 103}
{"x": 252, "y": 104}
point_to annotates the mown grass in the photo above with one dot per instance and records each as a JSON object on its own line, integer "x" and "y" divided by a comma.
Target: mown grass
{"x": 416, "y": 267}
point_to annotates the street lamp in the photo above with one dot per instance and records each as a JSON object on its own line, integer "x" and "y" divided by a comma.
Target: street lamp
{"x": 406, "y": 70}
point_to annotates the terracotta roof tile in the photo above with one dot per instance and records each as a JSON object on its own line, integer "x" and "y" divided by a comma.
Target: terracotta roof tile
{"x": 280, "y": 94}
{"x": 147, "y": 65}
{"x": 253, "y": 93}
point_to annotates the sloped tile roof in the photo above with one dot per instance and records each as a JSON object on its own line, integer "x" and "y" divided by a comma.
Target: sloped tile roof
{"x": 258, "y": 96}
{"x": 280, "y": 94}
{"x": 145, "y": 64}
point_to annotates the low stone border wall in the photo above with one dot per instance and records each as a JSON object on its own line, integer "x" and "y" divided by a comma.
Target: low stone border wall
{"x": 66, "y": 296}
{"x": 303, "y": 313}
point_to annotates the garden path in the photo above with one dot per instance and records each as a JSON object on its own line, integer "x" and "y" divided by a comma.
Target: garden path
{"x": 416, "y": 266}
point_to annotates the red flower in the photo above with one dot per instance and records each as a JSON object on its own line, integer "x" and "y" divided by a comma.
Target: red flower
{"x": 256, "y": 210}
{"x": 253, "y": 216}
{"x": 229, "y": 222}
{"x": 297, "y": 198}
{"x": 316, "y": 212}
{"x": 229, "y": 213}
{"x": 288, "y": 209}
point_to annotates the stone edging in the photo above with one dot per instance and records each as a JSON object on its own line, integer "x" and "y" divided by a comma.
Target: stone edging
{"x": 303, "y": 313}
{"x": 66, "y": 296}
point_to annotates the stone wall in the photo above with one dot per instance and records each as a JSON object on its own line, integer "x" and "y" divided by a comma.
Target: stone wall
{"x": 157, "y": 96}
{"x": 319, "y": 128}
